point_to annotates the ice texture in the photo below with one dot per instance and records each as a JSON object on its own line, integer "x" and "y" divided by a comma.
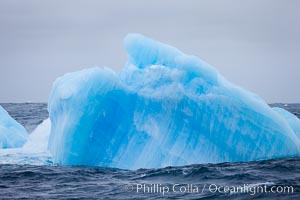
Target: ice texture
{"x": 290, "y": 118}
{"x": 163, "y": 108}
{"x": 12, "y": 134}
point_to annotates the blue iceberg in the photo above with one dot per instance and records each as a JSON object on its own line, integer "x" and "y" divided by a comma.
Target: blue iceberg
{"x": 163, "y": 108}
{"x": 12, "y": 134}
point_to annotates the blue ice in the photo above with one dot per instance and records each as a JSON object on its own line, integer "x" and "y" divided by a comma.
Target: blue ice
{"x": 12, "y": 134}
{"x": 163, "y": 108}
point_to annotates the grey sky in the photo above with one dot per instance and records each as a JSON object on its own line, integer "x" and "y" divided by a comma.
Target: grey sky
{"x": 253, "y": 43}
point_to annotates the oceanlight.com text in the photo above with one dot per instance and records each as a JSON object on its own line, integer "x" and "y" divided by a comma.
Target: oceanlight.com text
{"x": 251, "y": 189}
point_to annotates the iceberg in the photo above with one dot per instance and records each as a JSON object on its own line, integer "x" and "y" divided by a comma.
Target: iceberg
{"x": 33, "y": 152}
{"x": 164, "y": 108}
{"x": 12, "y": 134}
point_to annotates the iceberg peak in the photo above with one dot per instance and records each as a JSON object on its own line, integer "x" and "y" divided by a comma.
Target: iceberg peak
{"x": 143, "y": 52}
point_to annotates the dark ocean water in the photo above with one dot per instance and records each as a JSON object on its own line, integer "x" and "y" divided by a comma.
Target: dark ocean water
{"x": 271, "y": 179}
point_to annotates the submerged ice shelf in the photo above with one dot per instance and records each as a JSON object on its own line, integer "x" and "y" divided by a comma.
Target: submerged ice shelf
{"x": 12, "y": 134}
{"x": 163, "y": 108}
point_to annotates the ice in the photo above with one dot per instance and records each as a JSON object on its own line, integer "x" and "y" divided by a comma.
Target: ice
{"x": 38, "y": 139}
{"x": 12, "y": 134}
{"x": 163, "y": 108}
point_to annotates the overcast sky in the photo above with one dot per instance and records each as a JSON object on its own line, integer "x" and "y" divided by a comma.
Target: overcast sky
{"x": 253, "y": 43}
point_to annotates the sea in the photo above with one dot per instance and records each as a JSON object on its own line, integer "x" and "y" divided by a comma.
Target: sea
{"x": 267, "y": 179}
